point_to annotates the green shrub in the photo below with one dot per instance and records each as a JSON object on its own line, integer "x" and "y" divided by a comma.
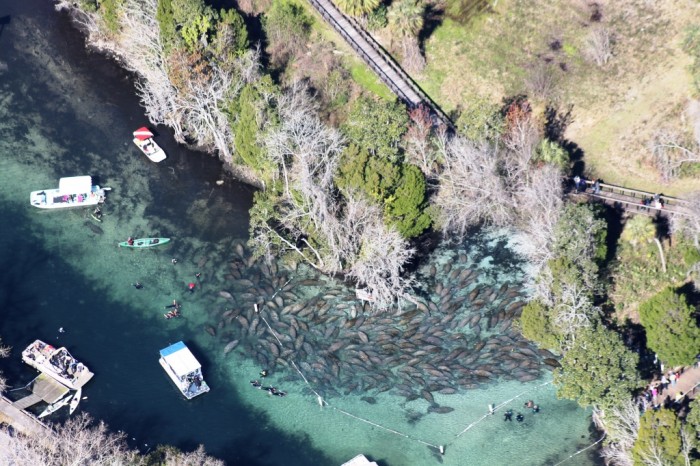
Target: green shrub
{"x": 377, "y": 19}
{"x": 405, "y": 209}
{"x": 670, "y": 328}
{"x": 377, "y": 126}
{"x": 552, "y": 153}
{"x": 481, "y": 119}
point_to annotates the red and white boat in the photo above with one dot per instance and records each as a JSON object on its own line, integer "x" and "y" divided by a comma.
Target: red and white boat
{"x": 143, "y": 138}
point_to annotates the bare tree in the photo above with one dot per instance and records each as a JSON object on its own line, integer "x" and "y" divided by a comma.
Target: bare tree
{"x": 420, "y": 149}
{"x": 574, "y": 310}
{"x": 77, "y": 442}
{"x": 198, "y": 457}
{"x": 670, "y": 152}
{"x": 621, "y": 425}
{"x": 471, "y": 190}
{"x": 413, "y": 59}
{"x": 539, "y": 200}
{"x": 599, "y": 45}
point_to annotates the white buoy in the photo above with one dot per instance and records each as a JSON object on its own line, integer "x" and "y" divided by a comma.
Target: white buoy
{"x": 491, "y": 408}
{"x": 442, "y": 449}
{"x": 255, "y": 305}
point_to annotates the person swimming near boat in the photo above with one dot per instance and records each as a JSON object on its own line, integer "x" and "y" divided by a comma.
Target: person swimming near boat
{"x": 519, "y": 417}
{"x": 256, "y": 384}
{"x": 508, "y": 415}
{"x": 529, "y": 404}
{"x": 130, "y": 241}
{"x": 174, "y": 305}
{"x": 263, "y": 373}
{"x": 535, "y": 409}
{"x": 280, "y": 393}
{"x": 137, "y": 285}
{"x": 197, "y": 275}
{"x": 174, "y": 261}
{"x": 191, "y": 287}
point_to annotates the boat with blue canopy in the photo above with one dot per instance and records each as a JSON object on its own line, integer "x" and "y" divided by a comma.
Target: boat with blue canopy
{"x": 183, "y": 369}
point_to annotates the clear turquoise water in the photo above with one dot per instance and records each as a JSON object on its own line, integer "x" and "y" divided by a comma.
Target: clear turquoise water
{"x": 66, "y": 112}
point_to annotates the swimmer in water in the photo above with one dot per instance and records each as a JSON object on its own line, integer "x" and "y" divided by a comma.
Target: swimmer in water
{"x": 508, "y": 415}
{"x": 137, "y": 285}
{"x": 519, "y": 417}
{"x": 256, "y": 384}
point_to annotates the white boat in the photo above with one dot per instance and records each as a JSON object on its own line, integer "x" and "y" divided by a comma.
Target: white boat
{"x": 72, "y": 191}
{"x": 75, "y": 401}
{"x": 183, "y": 369}
{"x": 143, "y": 138}
{"x": 57, "y": 364}
{"x": 56, "y": 405}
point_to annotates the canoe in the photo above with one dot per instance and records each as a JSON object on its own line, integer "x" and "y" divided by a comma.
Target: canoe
{"x": 143, "y": 138}
{"x": 75, "y": 400}
{"x": 56, "y": 406}
{"x": 144, "y": 243}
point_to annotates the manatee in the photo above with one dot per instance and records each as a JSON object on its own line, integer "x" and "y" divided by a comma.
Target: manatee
{"x": 440, "y": 409}
{"x": 95, "y": 229}
{"x": 230, "y": 346}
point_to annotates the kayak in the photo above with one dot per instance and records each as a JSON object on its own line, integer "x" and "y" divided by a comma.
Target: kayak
{"x": 144, "y": 242}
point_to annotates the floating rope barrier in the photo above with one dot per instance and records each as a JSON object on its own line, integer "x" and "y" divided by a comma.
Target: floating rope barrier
{"x": 323, "y": 402}
{"x": 440, "y": 448}
{"x": 581, "y": 451}
{"x": 493, "y": 409}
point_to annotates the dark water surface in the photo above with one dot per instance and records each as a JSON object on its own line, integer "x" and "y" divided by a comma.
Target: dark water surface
{"x": 65, "y": 111}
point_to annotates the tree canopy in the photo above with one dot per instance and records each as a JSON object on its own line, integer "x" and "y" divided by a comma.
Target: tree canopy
{"x": 659, "y": 439}
{"x": 377, "y": 126}
{"x": 670, "y": 327}
{"x": 598, "y": 370}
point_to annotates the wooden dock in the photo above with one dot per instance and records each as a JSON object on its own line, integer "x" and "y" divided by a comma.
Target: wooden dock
{"x": 631, "y": 200}
{"x": 44, "y": 389}
{"x": 20, "y": 420}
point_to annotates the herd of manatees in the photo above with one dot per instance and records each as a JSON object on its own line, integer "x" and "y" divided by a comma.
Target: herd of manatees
{"x": 461, "y": 336}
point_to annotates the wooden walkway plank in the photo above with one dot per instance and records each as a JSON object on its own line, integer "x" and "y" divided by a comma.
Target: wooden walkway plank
{"x": 631, "y": 200}
{"x": 398, "y": 81}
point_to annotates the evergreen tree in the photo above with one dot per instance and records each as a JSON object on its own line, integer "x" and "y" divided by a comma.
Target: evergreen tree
{"x": 598, "y": 370}
{"x": 659, "y": 439}
{"x": 671, "y": 328}
{"x": 406, "y": 207}
{"x": 166, "y": 22}
{"x": 536, "y": 324}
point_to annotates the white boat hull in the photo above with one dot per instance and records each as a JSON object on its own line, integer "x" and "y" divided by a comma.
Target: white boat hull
{"x": 183, "y": 387}
{"x": 72, "y": 191}
{"x": 150, "y": 149}
{"x": 52, "y": 408}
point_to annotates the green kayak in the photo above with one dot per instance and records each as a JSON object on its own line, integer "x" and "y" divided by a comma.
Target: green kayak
{"x": 144, "y": 242}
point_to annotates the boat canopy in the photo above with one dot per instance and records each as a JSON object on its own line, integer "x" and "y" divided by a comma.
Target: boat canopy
{"x": 75, "y": 185}
{"x": 180, "y": 359}
{"x": 142, "y": 134}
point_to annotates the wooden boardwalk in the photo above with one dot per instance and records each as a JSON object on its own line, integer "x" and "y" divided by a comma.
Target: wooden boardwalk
{"x": 20, "y": 420}
{"x": 631, "y": 200}
{"x": 378, "y": 59}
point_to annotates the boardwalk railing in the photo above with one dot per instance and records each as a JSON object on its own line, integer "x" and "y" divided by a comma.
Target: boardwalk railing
{"x": 628, "y": 197}
{"x": 377, "y": 59}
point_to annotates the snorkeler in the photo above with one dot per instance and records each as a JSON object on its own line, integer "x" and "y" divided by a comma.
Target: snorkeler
{"x": 173, "y": 305}
{"x": 529, "y": 404}
{"x": 256, "y": 384}
{"x": 137, "y": 285}
{"x": 280, "y": 393}
{"x": 519, "y": 417}
{"x": 535, "y": 409}
{"x": 263, "y": 373}
{"x": 508, "y": 415}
